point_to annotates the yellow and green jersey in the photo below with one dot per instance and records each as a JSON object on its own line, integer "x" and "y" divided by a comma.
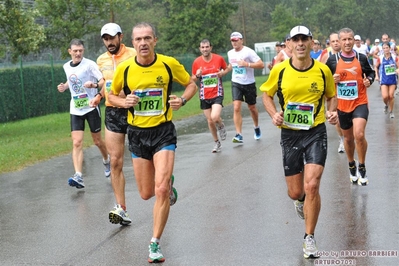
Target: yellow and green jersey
{"x": 153, "y": 84}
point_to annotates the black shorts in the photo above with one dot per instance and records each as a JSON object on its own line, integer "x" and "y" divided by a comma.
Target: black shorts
{"x": 245, "y": 93}
{"x": 145, "y": 142}
{"x": 207, "y": 104}
{"x": 93, "y": 119}
{"x": 303, "y": 146}
{"x": 345, "y": 119}
{"x": 116, "y": 119}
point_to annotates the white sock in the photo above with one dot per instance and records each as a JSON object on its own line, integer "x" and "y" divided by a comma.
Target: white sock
{"x": 155, "y": 240}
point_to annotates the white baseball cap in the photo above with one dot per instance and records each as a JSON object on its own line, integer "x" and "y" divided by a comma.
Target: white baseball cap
{"x": 111, "y": 29}
{"x": 357, "y": 38}
{"x": 300, "y": 30}
{"x": 377, "y": 40}
{"x": 235, "y": 36}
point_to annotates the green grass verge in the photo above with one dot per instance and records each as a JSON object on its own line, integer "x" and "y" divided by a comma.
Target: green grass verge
{"x": 30, "y": 141}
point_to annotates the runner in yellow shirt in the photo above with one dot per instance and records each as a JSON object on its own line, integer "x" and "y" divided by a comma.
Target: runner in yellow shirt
{"x": 147, "y": 83}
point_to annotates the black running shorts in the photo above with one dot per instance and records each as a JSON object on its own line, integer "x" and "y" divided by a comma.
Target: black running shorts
{"x": 345, "y": 119}
{"x": 116, "y": 119}
{"x": 207, "y": 104}
{"x": 93, "y": 119}
{"x": 145, "y": 142}
{"x": 245, "y": 93}
{"x": 303, "y": 146}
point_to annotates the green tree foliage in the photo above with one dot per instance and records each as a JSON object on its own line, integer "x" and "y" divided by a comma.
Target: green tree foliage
{"x": 22, "y": 34}
{"x": 188, "y": 22}
{"x": 181, "y": 24}
{"x": 69, "y": 19}
{"x": 283, "y": 19}
{"x": 252, "y": 20}
{"x": 138, "y": 11}
{"x": 367, "y": 18}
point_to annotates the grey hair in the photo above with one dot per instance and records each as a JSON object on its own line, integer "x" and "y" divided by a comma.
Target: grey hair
{"x": 145, "y": 25}
{"x": 345, "y": 30}
{"x": 77, "y": 42}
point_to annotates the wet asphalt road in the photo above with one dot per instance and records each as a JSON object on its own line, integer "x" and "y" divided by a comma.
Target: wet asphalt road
{"x": 232, "y": 209}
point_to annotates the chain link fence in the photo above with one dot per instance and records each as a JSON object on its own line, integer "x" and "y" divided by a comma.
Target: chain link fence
{"x": 29, "y": 88}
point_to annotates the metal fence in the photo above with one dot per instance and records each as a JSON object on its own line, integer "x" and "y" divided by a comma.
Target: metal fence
{"x": 29, "y": 89}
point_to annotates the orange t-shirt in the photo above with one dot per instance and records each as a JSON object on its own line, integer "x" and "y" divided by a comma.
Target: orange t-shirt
{"x": 351, "y": 91}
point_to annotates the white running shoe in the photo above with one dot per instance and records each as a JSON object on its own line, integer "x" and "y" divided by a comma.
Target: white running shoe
{"x": 341, "y": 147}
{"x": 310, "y": 248}
{"x": 155, "y": 255}
{"x": 299, "y": 209}
{"x": 119, "y": 216}
{"x": 222, "y": 131}
{"x": 353, "y": 174}
{"x": 363, "y": 180}
{"x": 107, "y": 165}
{"x": 217, "y": 147}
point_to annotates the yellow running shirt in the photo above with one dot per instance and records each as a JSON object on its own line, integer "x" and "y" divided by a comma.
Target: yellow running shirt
{"x": 153, "y": 84}
{"x": 304, "y": 88}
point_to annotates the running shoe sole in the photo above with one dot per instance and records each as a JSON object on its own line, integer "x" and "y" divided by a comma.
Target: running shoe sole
{"x": 362, "y": 183}
{"x": 237, "y": 141}
{"x": 310, "y": 256}
{"x": 73, "y": 183}
{"x": 156, "y": 260}
{"x": 353, "y": 181}
{"x": 116, "y": 219}
{"x": 175, "y": 199}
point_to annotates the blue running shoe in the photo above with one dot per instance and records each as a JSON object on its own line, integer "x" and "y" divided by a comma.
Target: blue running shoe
{"x": 76, "y": 181}
{"x": 238, "y": 139}
{"x": 257, "y": 134}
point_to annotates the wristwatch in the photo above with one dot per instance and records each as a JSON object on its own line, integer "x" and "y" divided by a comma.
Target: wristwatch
{"x": 183, "y": 101}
